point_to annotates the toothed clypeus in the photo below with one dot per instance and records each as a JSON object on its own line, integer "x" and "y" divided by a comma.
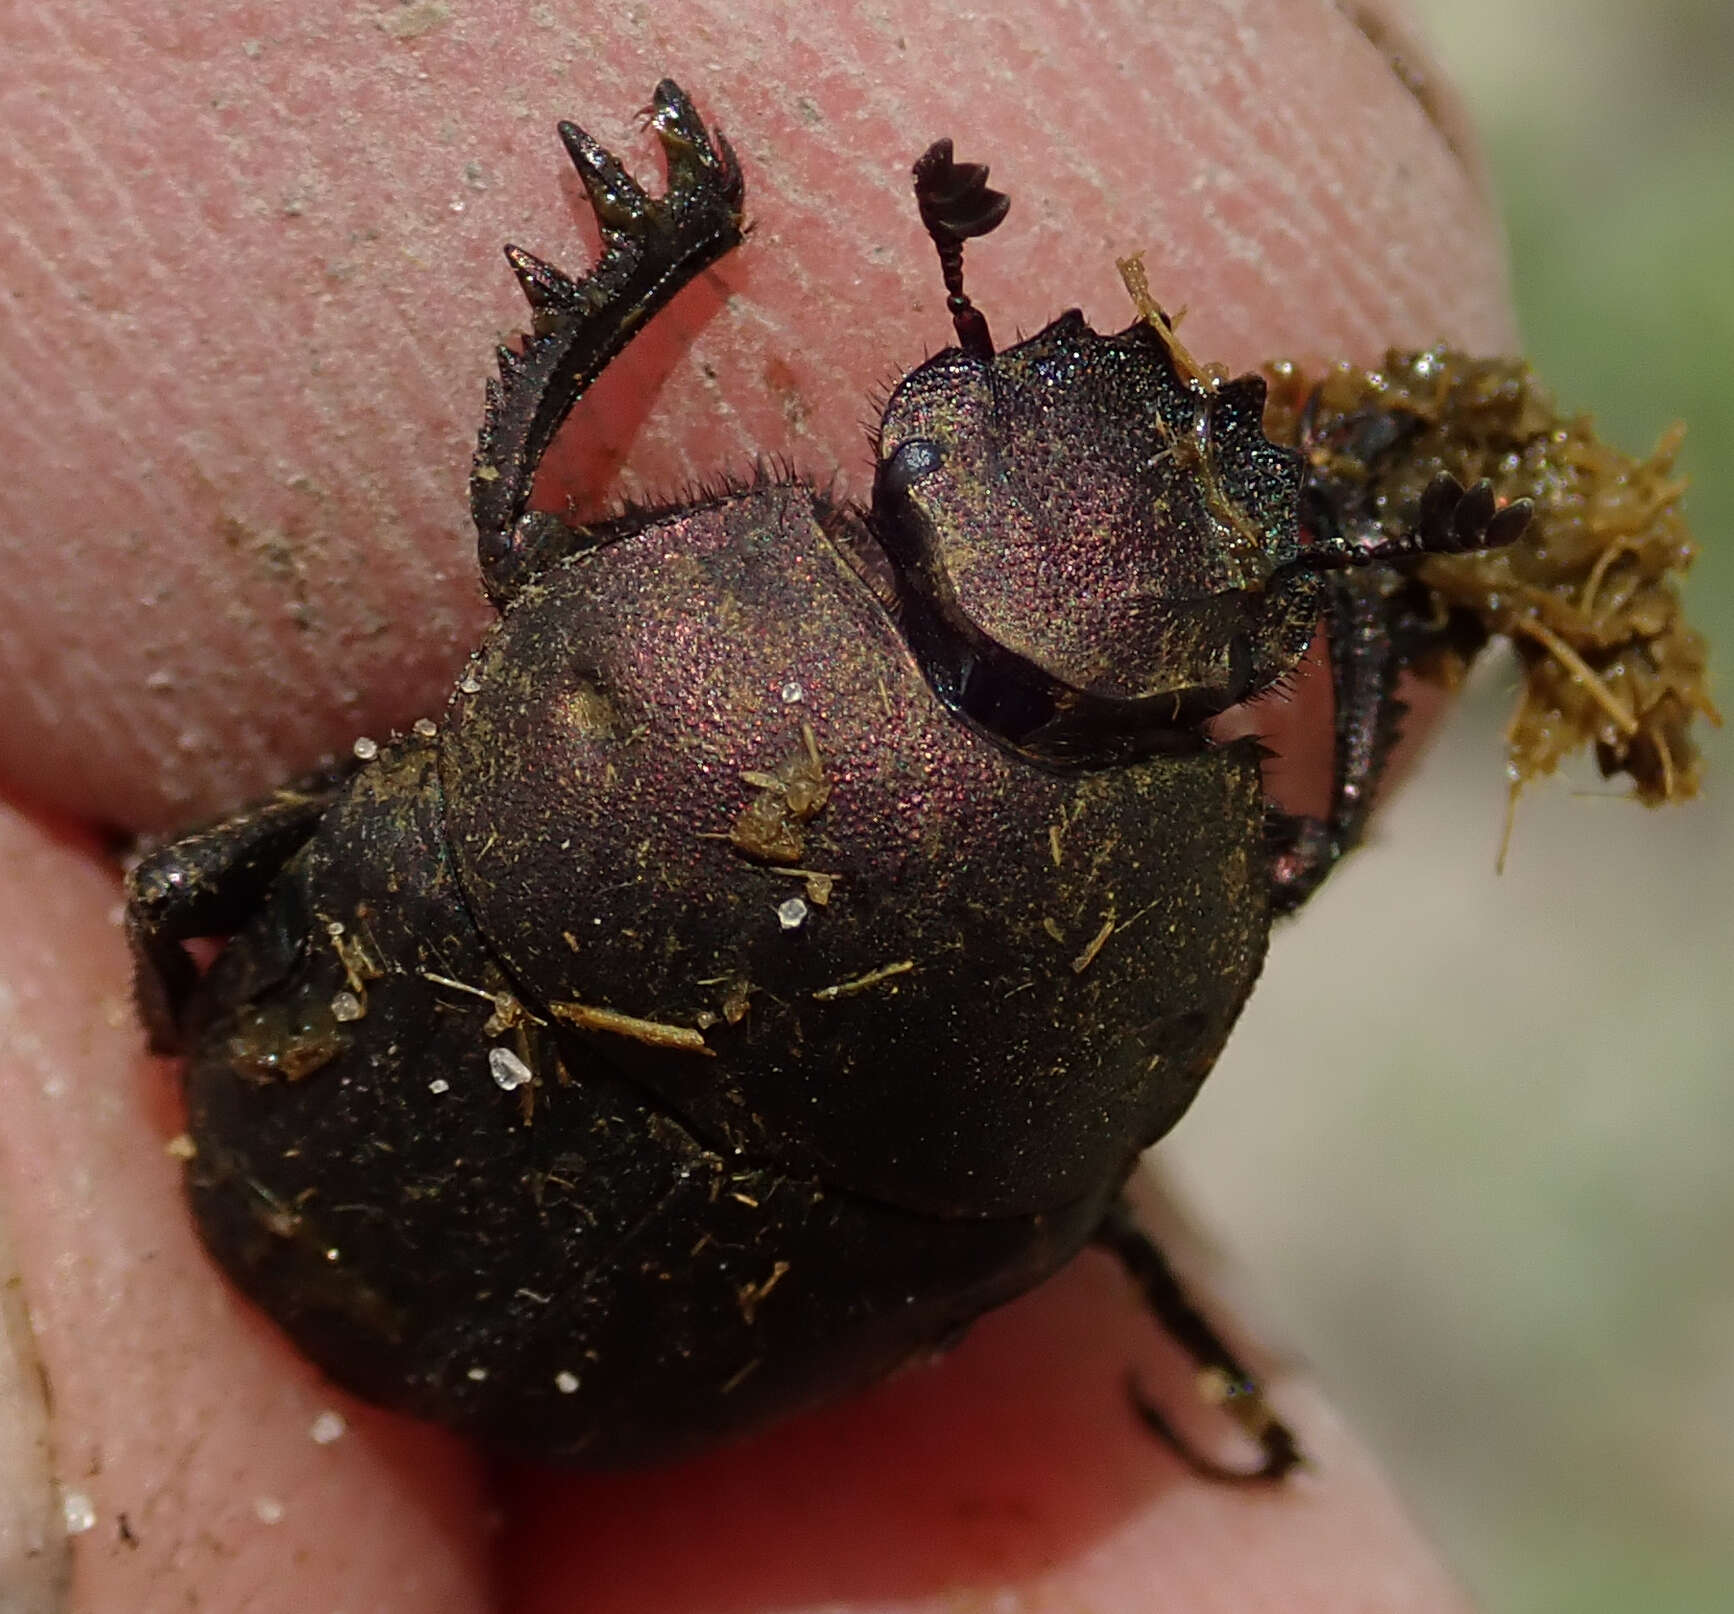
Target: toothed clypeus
{"x": 804, "y": 914}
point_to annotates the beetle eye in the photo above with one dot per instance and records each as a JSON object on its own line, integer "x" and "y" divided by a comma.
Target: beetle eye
{"x": 912, "y": 461}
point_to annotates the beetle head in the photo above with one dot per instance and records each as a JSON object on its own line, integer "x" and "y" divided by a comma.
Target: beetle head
{"x": 1093, "y": 543}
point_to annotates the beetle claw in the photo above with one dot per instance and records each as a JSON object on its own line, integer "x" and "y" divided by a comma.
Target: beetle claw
{"x": 695, "y": 156}
{"x": 1221, "y": 1377}
{"x": 1281, "y": 1452}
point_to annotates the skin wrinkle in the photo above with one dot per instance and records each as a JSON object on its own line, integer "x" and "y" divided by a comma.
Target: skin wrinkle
{"x": 1364, "y": 291}
{"x": 1359, "y": 291}
{"x": 246, "y": 623}
{"x": 1390, "y": 28}
{"x": 121, "y": 217}
{"x": 105, "y": 419}
{"x": 383, "y": 424}
{"x": 1375, "y": 290}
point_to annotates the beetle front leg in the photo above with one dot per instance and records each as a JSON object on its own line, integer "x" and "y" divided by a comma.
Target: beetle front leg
{"x": 1380, "y": 622}
{"x": 1230, "y": 1384}
{"x": 205, "y": 884}
{"x": 1365, "y": 663}
{"x": 651, "y": 248}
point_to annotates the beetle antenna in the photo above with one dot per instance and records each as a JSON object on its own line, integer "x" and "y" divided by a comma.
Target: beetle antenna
{"x": 955, "y": 203}
{"x": 1451, "y": 520}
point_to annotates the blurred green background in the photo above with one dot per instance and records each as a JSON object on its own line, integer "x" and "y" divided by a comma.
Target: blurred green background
{"x": 1488, "y": 1191}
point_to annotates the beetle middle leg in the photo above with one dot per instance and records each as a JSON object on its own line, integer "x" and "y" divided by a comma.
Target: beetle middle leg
{"x": 1232, "y": 1386}
{"x": 205, "y": 884}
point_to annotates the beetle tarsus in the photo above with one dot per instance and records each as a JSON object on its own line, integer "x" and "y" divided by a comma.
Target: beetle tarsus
{"x": 1280, "y": 1455}
{"x": 1228, "y": 1382}
{"x": 651, "y": 248}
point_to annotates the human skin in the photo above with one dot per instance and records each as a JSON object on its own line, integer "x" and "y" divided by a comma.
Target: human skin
{"x": 249, "y": 285}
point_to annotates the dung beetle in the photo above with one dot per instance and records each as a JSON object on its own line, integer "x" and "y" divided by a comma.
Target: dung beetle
{"x": 804, "y": 915}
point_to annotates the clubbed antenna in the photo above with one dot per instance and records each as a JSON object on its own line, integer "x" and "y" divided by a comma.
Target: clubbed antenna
{"x": 1452, "y": 520}
{"x": 955, "y": 204}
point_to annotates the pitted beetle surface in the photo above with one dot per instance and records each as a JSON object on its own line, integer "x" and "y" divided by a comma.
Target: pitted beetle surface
{"x": 803, "y": 915}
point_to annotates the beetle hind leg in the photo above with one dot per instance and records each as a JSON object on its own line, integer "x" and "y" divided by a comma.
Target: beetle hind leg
{"x": 1225, "y": 1380}
{"x": 651, "y": 248}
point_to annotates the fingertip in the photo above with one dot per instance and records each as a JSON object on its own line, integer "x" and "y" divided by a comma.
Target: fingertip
{"x": 1013, "y": 1468}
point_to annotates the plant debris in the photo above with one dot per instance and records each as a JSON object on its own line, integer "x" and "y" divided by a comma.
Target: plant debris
{"x": 1589, "y": 596}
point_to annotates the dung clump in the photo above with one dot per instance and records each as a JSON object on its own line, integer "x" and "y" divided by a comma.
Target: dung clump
{"x": 1589, "y": 597}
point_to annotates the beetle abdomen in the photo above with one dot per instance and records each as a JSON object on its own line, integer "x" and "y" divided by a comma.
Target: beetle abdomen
{"x": 456, "y": 1209}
